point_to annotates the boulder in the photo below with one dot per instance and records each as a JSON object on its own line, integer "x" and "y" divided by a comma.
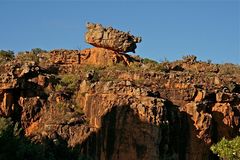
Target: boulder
{"x": 110, "y": 38}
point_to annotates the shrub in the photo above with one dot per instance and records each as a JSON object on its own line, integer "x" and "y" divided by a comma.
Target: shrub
{"x": 189, "y": 58}
{"x": 108, "y": 78}
{"x": 27, "y": 56}
{"x": 4, "y": 125}
{"x": 70, "y": 81}
{"x": 229, "y": 69}
{"x": 6, "y": 56}
{"x": 92, "y": 73}
{"x": 229, "y": 150}
{"x": 59, "y": 87}
{"x": 147, "y": 61}
{"x": 36, "y": 51}
{"x": 118, "y": 67}
{"x": 157, "y": 67}
{"x": 88, "y": 68}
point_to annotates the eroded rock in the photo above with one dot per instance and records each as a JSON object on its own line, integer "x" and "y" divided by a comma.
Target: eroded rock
{"x": 110, "y": 38}
{"x": 92, "y": 56}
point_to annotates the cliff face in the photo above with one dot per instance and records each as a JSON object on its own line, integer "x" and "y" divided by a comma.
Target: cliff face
{"x": 120, "y": 112}
{"x": 105, "y": 104}
{"x": 129, "y": 123}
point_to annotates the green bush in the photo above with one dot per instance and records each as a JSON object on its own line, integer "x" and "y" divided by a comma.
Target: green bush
{"x": 70, "y": 81}
{"x": 229, "y": 150}
{"x": 5, "y": 123}
{"x": 27, "y": 56}
{"x": 118, "y": 67}
{"x": 93, "y": 73}
{"x": 37, "y": 51}
{"x": 6, "y": 56}
{"x": 146, "y": 61}
{"x": 9, "y": 53}
{"x": 59, "y": 87}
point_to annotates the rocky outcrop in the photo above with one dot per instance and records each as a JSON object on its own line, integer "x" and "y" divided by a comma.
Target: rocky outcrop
{"x": 14, "y": 77}
{"x": 110, "y": 38}
{"x": 110, "y": 48}
{"x": 104, "y": 57}
{"x": 121, "y": 115}
{"x": 122, "y": 121}
{"x": 123, "y": 112}
{"x": 93, "y": 56}
{"x": 14, "y": 72}
{"x": 7, "y": 105}
{"x": 61, "y": 56}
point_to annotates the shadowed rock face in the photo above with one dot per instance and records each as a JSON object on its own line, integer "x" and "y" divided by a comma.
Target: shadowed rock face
{"x": 110, "y": 38}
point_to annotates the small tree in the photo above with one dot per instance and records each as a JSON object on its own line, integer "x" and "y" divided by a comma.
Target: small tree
{"x": 229, "y": 150}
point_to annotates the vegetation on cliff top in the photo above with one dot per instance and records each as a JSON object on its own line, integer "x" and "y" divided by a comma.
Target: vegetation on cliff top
{"x": 6, "y": 55}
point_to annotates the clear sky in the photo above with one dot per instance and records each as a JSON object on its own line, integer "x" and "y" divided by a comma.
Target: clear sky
{"x": 209, "y": 29}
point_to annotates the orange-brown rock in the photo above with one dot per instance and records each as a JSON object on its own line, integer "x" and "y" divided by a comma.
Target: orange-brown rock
{"x": 126, "y": 112}
{"x": 226, "y": 118}
{"x": 110, "y": 38}
{"x": 6, "y": 103}
{"x": 61, "y": 56}
{"x": 120, "y": 116}
{"x": 199, "y": 126}
{"x": 92, "y": 56}
{"x": 33, "y": 127}
{"x": 200, "y": 95}
{"x": 103, "y": 57}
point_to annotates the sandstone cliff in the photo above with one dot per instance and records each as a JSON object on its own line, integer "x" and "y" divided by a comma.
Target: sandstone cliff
{"x": 105, "y": 104}
{"x": 139, "y": 111}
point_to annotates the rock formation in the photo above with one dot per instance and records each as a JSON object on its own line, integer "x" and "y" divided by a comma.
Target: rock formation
{"x": 124, "y": 113}
{"x": 110, "y": 48}
{"x": 92, "y": 56}
{"x": 108, "y": 105}
{"x": 110, "y": 38}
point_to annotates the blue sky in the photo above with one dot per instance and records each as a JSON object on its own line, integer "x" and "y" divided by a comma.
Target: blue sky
{"x": 209, "y": 29}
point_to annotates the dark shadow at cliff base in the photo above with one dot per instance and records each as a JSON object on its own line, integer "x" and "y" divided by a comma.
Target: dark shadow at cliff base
{"x": 15, "y": 146}
{"x": 195, "y": 147}
{"x": 124, "y": 135}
